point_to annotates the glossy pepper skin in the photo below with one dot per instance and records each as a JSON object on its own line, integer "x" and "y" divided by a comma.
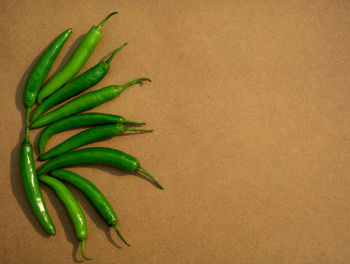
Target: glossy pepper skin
{"x": 73, "y": 208}
{"x": 42, "y": 68}
{"x": 97, "y": 155}
{"x": 84, "y": 81}
{"x": 76, "y": 62}
{"x": 95, "y": 196}
{"x": 83, "y": 102}
{"x": 88, "y": 136}
{"x": 81, "y": 120}
{"x": 31, "y": 187}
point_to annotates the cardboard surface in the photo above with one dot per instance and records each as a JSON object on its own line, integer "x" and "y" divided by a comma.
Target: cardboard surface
{"x": 249, "y": 103}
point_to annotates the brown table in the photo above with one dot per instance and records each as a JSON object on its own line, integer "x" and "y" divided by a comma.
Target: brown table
{"x": 248, "y": 104}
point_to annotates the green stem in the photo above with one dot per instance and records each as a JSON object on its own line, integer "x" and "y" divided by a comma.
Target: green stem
{"x": 28, "y": 110}
{"x": 121, "y": 88}
{"x": 138, "y": 130}
{"x": 134, "y": 123}
{"x": 120, "y": 235}
{"x": 115, "y": 52}
{"x": 27, "y": 134}
{"x": 104, "y": 20}
{"x": 82, "y": 250}
{"x": 140, "y": 169}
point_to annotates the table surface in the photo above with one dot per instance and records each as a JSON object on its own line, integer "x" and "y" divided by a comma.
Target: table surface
{"x": 248, "y": 103}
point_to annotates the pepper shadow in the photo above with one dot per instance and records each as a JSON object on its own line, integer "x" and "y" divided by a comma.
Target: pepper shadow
{"x": 89, "y": 208}
{"x": 93, "y": 214}
{"x": 64, "y": 219}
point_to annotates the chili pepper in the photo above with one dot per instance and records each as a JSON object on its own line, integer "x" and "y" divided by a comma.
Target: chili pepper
{"x": 77, "y": 85}
{"x": 95, "y": 196}
{"x": 107, "y": 156}
{"x": 83, "y": 102}
{"x": 31, "y": 186}
{"x": 78, "y": 59}
{"x": 42, "y": 68}
{"x": 87, "y": 136}
{"x": 73, "y": 208}
{"x": 84, "y": 119}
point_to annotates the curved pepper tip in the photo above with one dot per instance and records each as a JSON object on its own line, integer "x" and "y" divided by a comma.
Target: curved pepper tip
{"x": 115, "y": 52}
{"x": 120, "y": 235}
{"x": 140, "y": 169}
{"x": 104, "y": 20}
{"x": 82, "y": 250}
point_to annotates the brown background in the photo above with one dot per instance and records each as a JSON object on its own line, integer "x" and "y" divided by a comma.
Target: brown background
{"x": 249, "y": 101}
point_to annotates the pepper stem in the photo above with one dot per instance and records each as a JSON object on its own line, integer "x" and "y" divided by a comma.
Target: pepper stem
{"x": 26, "y": 135}
{"x": 27, "y": 123}
{"x": 104, "y": 20}
{"x": 138, "y": 130}
{"x": 82, "y": 250}
{"x": 134, "y": 123}
{"x": 140, "y": 169}
{"x": 115, "y": 52}
{"x": 29, "y": 108}
{"x": 120, "y": 235}
{"x": 121, "y": 88}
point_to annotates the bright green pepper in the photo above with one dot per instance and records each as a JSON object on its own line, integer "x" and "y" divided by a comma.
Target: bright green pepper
{"x": 31, "y": 186}
{"x": 72, "y": 206}
{"x": 76, "y": 62}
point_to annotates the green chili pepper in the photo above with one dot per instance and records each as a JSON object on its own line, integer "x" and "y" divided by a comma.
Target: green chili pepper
{"x": 31, "y": 186}
{"x": 81, "y": 120}
{"x": 72, "y": 206}
{"x": 78, "y": 59}
{"x": 83, "y": 102}
{"x": 77, "y": 85}
{"x": 95, "y": 196}
{"x": 42, "y": 68}
{"x": 107, "y": 156}
{"x": 87, "y": 136}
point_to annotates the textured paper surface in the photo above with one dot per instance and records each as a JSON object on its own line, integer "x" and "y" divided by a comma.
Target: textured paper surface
{"x": 249, "y": 103}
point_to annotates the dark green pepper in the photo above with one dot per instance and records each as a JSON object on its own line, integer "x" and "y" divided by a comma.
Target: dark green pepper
{"x": 107, "y": 156}
{"x": 31, "y": 186}
{"x": 81, "y": 120}
{"x": 42, "y": 68}
{"x": 83, "y": 102}
{"x": 88, "y": 136}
